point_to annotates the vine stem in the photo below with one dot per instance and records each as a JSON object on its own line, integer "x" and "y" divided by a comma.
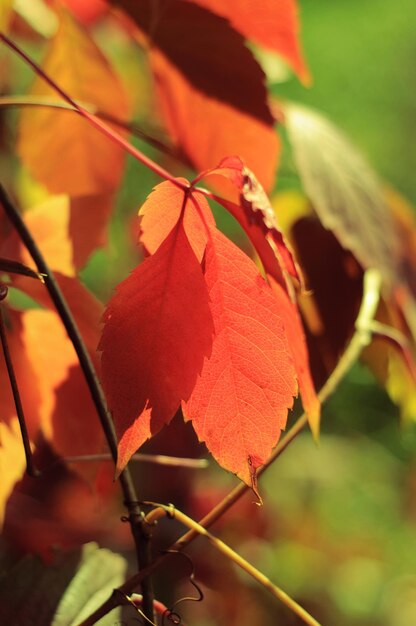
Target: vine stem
{"x": 50, "y": 103}
{"x": 360, "y": 339}
{"x": 135, "y": 517}
{"x": 140, "y": 457}
{"x": 94, "y": 120}
{"x": 171, "y": 512}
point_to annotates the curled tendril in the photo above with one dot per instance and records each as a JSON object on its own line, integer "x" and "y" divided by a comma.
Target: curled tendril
{"x": 129, "y": 601}
{"x": 170, "y": 614}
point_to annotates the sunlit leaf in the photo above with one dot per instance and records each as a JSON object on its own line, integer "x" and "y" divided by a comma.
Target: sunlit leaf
{"x": 12, "y": 461}
{"x": 26, "y": 375}
{"x": 158, "y": 328}
{"x": 289, "y": 312}
{"x": 241, "y": 399}
{"x": 59, "y": 148}
{"x": 67, "y": 415}
{"x": 253, "y": 210}
{"x": 5, "y": 14}
{"x": 85, "y": 307}
{"x": 271, "y": 23}
{"x": 160, "y": 213}
{"x": 67, "y": 231}
{"x": 86, "y": 12}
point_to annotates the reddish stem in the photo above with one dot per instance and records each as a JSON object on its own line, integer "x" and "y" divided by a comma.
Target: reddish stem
{"x": 93, "y": 119}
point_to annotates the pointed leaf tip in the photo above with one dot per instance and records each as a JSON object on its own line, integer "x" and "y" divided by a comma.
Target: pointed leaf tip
{"x": 157, "y": 330}
{"x": 241, "y": 398}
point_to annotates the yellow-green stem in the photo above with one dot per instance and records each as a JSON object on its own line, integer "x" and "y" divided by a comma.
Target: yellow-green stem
{"x": 170, "y": 511}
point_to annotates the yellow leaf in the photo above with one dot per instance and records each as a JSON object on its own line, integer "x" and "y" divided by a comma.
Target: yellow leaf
{"x": 5, "y": 13}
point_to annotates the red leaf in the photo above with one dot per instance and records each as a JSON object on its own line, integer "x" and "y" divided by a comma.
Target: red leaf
{"x": 252, "y": 209}
{"x": 271, "y": 23}
{"x": 86, "y": 12}
{"x": 158, "y": 329}
{"x": 204, "y": 74}
{"x": 240, "y": 401}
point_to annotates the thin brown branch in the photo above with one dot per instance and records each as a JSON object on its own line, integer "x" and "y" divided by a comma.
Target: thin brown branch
{"x": 14, "y": 267}
{"x": 157, "y": 459}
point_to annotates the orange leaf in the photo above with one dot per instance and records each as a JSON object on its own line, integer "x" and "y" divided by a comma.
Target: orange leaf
{"x": 60, "y": 149}
{"x": 85, "y": 307}
{"x": 67, "y": 414}
{"x": 241, "y": 399}
{"x": 271, "y": 23}
{"x": 88, "y": 225}
{"x": 26, "y": 376}
{"x": 256, "y": 215}
{"x": 12, "y": 461}
{"x": 158, "y": 328}
{"x": 55, "y": 397}
{"x": 5, "y": 14}
{"x": 210, "y": 87}
{"x": 161, "y": 212}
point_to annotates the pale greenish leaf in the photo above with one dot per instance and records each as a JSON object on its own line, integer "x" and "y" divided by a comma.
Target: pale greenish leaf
{"x": 343, "y": 189}
{"x": 61, "y": 594}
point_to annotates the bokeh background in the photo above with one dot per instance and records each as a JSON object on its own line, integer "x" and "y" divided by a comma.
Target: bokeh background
{"x": 338, "y": 529}
{"x": 341, "y": 517}
{"x": 346, "y": 511}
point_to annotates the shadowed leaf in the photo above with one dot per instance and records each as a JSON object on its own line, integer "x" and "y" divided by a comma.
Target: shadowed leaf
{"x": 61, "y": 594}
{"x": 204, "y": 73}
{"x": 344, "y": 190}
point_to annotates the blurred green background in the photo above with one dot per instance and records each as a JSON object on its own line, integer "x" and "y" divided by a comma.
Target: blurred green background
{"x": 348, "y": 508}
{"x": 362, "y": 54}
